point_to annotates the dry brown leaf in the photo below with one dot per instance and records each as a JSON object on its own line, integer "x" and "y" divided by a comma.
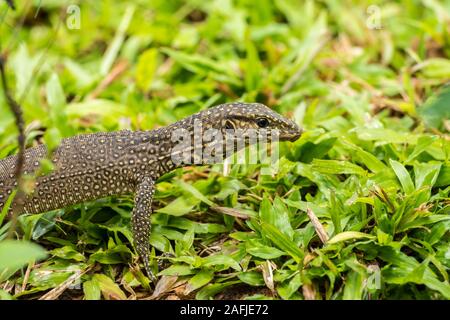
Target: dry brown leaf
{"x": 164, "y": 285}
{"x": 320, "y": 230}
{"x": 231, "y": 212}
{"x": 309, "y": 292}
{"x": 268, "y": 275}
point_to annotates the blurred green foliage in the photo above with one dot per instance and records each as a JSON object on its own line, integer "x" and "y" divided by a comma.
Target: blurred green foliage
{"x": 364, "y": 78}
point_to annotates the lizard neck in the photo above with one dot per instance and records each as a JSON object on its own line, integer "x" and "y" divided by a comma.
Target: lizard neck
{"x": 191, "y": 141}
{"x": 155, "y": 148}
{"x": 176, "y": 145}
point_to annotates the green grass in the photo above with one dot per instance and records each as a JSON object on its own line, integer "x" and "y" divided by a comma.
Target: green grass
{"x": 359, "y": 208}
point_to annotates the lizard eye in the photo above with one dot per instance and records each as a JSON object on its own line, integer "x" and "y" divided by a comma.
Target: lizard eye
{"x": 262, "y": 122}
{"x": 229, "y": 125}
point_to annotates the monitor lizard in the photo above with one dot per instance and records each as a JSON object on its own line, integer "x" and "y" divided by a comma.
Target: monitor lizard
{"x": 98, "y": 165}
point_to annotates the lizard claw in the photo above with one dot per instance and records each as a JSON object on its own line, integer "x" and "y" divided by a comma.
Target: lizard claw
{"x": 162, "y": 262}
{"x": 150, "y": 274}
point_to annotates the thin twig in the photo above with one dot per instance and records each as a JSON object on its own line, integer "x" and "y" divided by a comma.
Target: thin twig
{"x": 18, "y": 115}
{"x": 27, "y": 276}
{"x": 17, "y": 111}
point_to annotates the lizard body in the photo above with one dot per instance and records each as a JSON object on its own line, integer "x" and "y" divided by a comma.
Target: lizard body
{"x": 94, "y": 166}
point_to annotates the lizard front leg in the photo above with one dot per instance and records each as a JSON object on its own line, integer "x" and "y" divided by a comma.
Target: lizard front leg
{"x": 140, "y": 221}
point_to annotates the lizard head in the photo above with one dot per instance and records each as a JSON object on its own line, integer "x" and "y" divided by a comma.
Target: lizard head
{"x": 248, "y": 118}
{"x": 213, "y": 132}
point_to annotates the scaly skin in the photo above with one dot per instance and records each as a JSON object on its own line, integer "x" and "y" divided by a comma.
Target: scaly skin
{"x": 94, "y": 166}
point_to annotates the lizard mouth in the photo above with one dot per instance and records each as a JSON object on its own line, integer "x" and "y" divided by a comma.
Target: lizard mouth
{"x": 293, "y": 135}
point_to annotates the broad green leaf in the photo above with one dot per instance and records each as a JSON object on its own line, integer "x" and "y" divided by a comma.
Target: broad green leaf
{"x": 204, "y": 66}
{"x": 23, "y": 65}
{"x": 252, "y": 278}
{"x": 422, "y": 144}
{"x": 146, "y": 68}
{"x": 109, "y": 289}
{"x": 160, "y": 242}
{"x": 186, "y": 224}
{"x": 353, "y": 289}
{"x": 287, "y": 289}
{"x": 83, "y": 77}
{"x": 368, "y": 159}
{"x": 337, "y": 167}
{"x": 435, "y": 68}
{"x": 178, "y": 207}
{"x": 7, "y": 205}
{"x": 422, "y": 221}
{"x": 436, "y": 110}
{"x": 426, "y": 174}
{"x": 194, "y": 192}
{"x": 210, "y": 290}
{"x": 264, "y": 252}
{"x": 199, "y": 280}
{"x": 403, "y": 176}
{"x": 91, "y": 290}
{"x": 310, "y": 151}
{"x": 386, "y": 136}
{"x": 443, "y": 180}
{"x": 221, "y": 260}
{"x": 335, "y": 212}
{"x": 177, "y": 270}
{"x": 5, "y": 295}
{"x": 57, "y": 103}
{"x": 117, "y": 254}
{"x": 405, "y": 266}
{"x": 229, "y": 187}
{"x": 319, "y": 211}
{"x": 282, "y": 241}
{"x": 106, "y": 110}
{"x": 15, "y": 254}
{"x": 276, "y": 215}
{"x": 67, "y": 252}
